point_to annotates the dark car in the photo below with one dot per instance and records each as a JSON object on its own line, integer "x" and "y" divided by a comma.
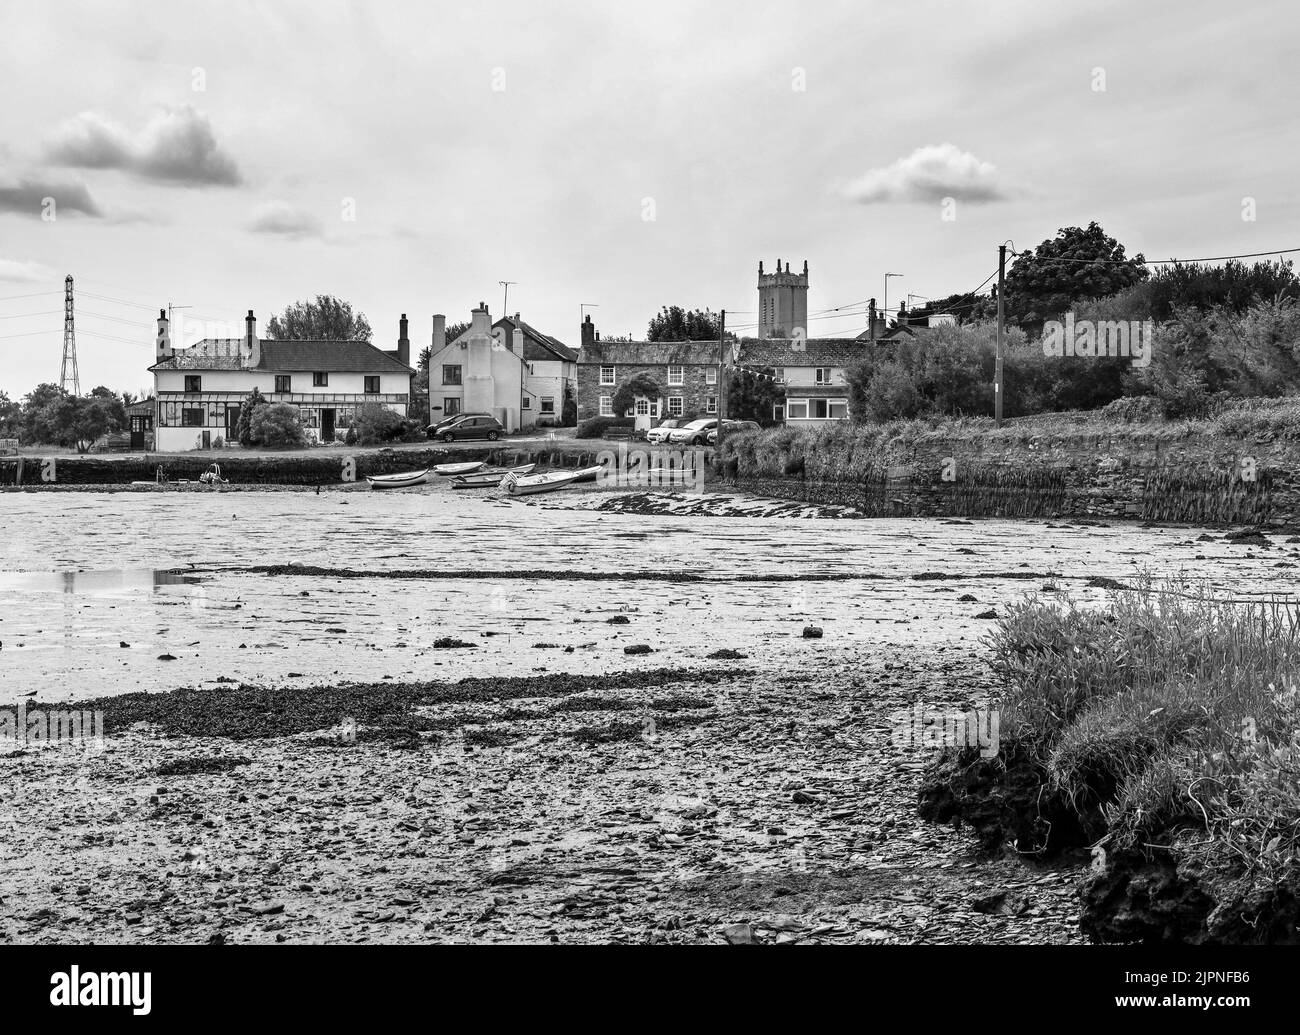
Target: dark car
{"x": 468, "y": 426}
{"x": 436, "y": 428}
{"x": 732, "y": 427}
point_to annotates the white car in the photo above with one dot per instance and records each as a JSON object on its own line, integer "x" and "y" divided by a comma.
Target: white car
{"x": 693, "y": 434}
{"x": 659, "y": 435}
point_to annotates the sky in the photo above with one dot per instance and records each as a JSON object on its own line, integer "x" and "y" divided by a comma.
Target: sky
{"x": 410, "y": 156}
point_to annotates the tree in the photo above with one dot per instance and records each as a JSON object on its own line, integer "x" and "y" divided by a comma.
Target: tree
{"x": 325, "y": 319}
{"x": 11, "y": 416}
{"x": 1076, "y": 264}
{"x": 751, "y": 394}
{"x": 116, "y": 404}
{"x": 40, "y": 418}
{"x": 277, "y": 426}
{"x": 642, "y": 385}
{"x": 244, "y": 424}
{"x": 569, "y": 412}
{"x": 673, "y": 323}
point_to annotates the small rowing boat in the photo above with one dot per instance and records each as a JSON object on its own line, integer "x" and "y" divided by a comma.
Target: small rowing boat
{"x": 487, "y": 479}
{"x": 449, "y": 469}
{"x": 588, "y": 474}
{"x": 398, "y": 481}
{"x": 533, "y": 483}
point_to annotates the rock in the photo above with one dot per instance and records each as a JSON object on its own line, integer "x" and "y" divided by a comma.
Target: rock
{"x": 619, "y": 620}
{"x": 166, "y": 657}
{"x": 726, "y": 654}
{"x": 987, "y": 614}
{"x": 803, "y": 798}
{"x": 123, "y": 643}
{"x": 966, "y": 598}
{"x": 812, "y": 632}
{"x": 739, "y": 934}
{"x": 638, "y": 648}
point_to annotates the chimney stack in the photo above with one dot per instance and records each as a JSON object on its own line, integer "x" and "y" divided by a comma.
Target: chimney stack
{"x": 403, "y": 344}
{"x": 164, "y": 349}
{"x": 517, "y": 340}
{"x": 588, "y": 331}
{"x": 439, "y": 333}
{"x": 250, "y": 336}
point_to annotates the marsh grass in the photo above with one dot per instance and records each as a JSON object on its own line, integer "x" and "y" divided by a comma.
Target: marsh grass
{"x": 1174, "y": 714}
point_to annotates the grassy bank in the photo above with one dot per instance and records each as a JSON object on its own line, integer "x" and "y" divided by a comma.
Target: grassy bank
{"x": 1163, "y": 732}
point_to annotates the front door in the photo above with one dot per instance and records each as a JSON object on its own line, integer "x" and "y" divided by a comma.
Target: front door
{"x": 327, "y": 425}
{"x": 232, "y": 423}
{"x": 137, "y": 432}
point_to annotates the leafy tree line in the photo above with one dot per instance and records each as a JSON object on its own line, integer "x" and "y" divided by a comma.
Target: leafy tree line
{"x": 1220, "y": 332}
{"x": 48, "y": 415}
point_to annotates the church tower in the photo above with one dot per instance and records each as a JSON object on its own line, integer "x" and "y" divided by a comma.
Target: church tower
{"x": 782, "y": 301}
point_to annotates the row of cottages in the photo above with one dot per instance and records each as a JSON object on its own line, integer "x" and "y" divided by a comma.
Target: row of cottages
{"x": 508, "y": 369}
{"x": 811, "y": 372}
{"x": 198, "y": 390}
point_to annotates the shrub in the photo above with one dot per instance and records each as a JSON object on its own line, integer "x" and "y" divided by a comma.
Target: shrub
{"x": 374, "y": 423}
{"x": 278, "y": 426}
{"x": 595, "y": 427}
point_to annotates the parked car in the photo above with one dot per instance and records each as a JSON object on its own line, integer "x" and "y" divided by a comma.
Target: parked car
{"x": 693, "y": 434}
{"x": 732, "y": 426}
{"x": 469, "y": 426}
{"x": 436, "y": 428}
{"x": 658, "y": 435}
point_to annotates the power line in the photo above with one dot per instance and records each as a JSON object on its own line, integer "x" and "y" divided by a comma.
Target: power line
{"x": 19, "y": 316}
{"x": 37, "y": 294}
{"x": 1159, "y": 262}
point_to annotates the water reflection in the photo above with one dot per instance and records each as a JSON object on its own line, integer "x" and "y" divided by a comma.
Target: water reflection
{"x": 94, "y": 583}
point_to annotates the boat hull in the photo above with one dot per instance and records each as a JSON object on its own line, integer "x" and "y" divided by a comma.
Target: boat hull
{"x": 398, "y": 481}
{"x": 532, "y": 484}
{"x": 447, "y": 470}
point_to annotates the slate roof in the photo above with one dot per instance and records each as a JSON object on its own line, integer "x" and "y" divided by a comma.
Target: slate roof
{"x": 650, "y": 353}
{"x": 816, "y": 352}
{"x": 332, "y": 356}
{"x": 539, "y": 346}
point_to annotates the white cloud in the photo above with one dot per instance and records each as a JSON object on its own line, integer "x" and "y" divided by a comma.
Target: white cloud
{"x": 931, "y": 174}
{"x": 279, "y": 217}
{"x": 13, "y": 271}
{"x": 177, "y": 146}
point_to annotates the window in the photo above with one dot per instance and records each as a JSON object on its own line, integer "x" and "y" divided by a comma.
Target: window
{"x": 528, "y": 402}
{"x": 676, "y": 375}
{"x": 778, "y": 413}
{"x": 606, "y": 406}
{"x": 675, "y": 406}
{"x": 192, "y": 417}
{"x": 371, "y": 386}
{"x": 710, "y": 376}
{"x": 642, "y": 407}
{"x": 779, "y": 374}
{"x": 606, "y": 375}
{"x": 193, "y": 383}
{"x": 282, "y": 384}
{"x": 548, "y": 404}
{"x": 820, "y": 409}
{"x": 797, "y": 409}
{"x": 320, "y": 379}
{"x": 451, "y": 405}
{"x": 710, "y": 404}
{"x": 823, "y": 375}
{"x": 451, "y": 373}
{"x": 839, "y": 409}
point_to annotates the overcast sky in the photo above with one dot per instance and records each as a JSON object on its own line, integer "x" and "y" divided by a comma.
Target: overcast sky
{"x": 627, "y": 156}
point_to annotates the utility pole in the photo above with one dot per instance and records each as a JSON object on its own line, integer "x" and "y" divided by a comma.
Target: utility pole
{"x": 505, "y": 299}
{"x": 997, "y": 366}
{"x": 68, "y": 372}
{"x": 722, "y": 385}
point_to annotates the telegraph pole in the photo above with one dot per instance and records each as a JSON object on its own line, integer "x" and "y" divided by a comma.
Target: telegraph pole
{"x": 997, "y": 366}
{"x": 505, "y": 299}
{"x": 884, "y": 309}
{"x": 722, "y": 384}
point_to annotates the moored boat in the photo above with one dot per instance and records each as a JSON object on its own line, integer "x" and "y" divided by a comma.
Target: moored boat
{"x": 486, "y": 479}
{"x": 449, "y": 469}
{"x": 588, "y": 474}
{"x": 526, "y": 485}
{"x": 398, "y": 481}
